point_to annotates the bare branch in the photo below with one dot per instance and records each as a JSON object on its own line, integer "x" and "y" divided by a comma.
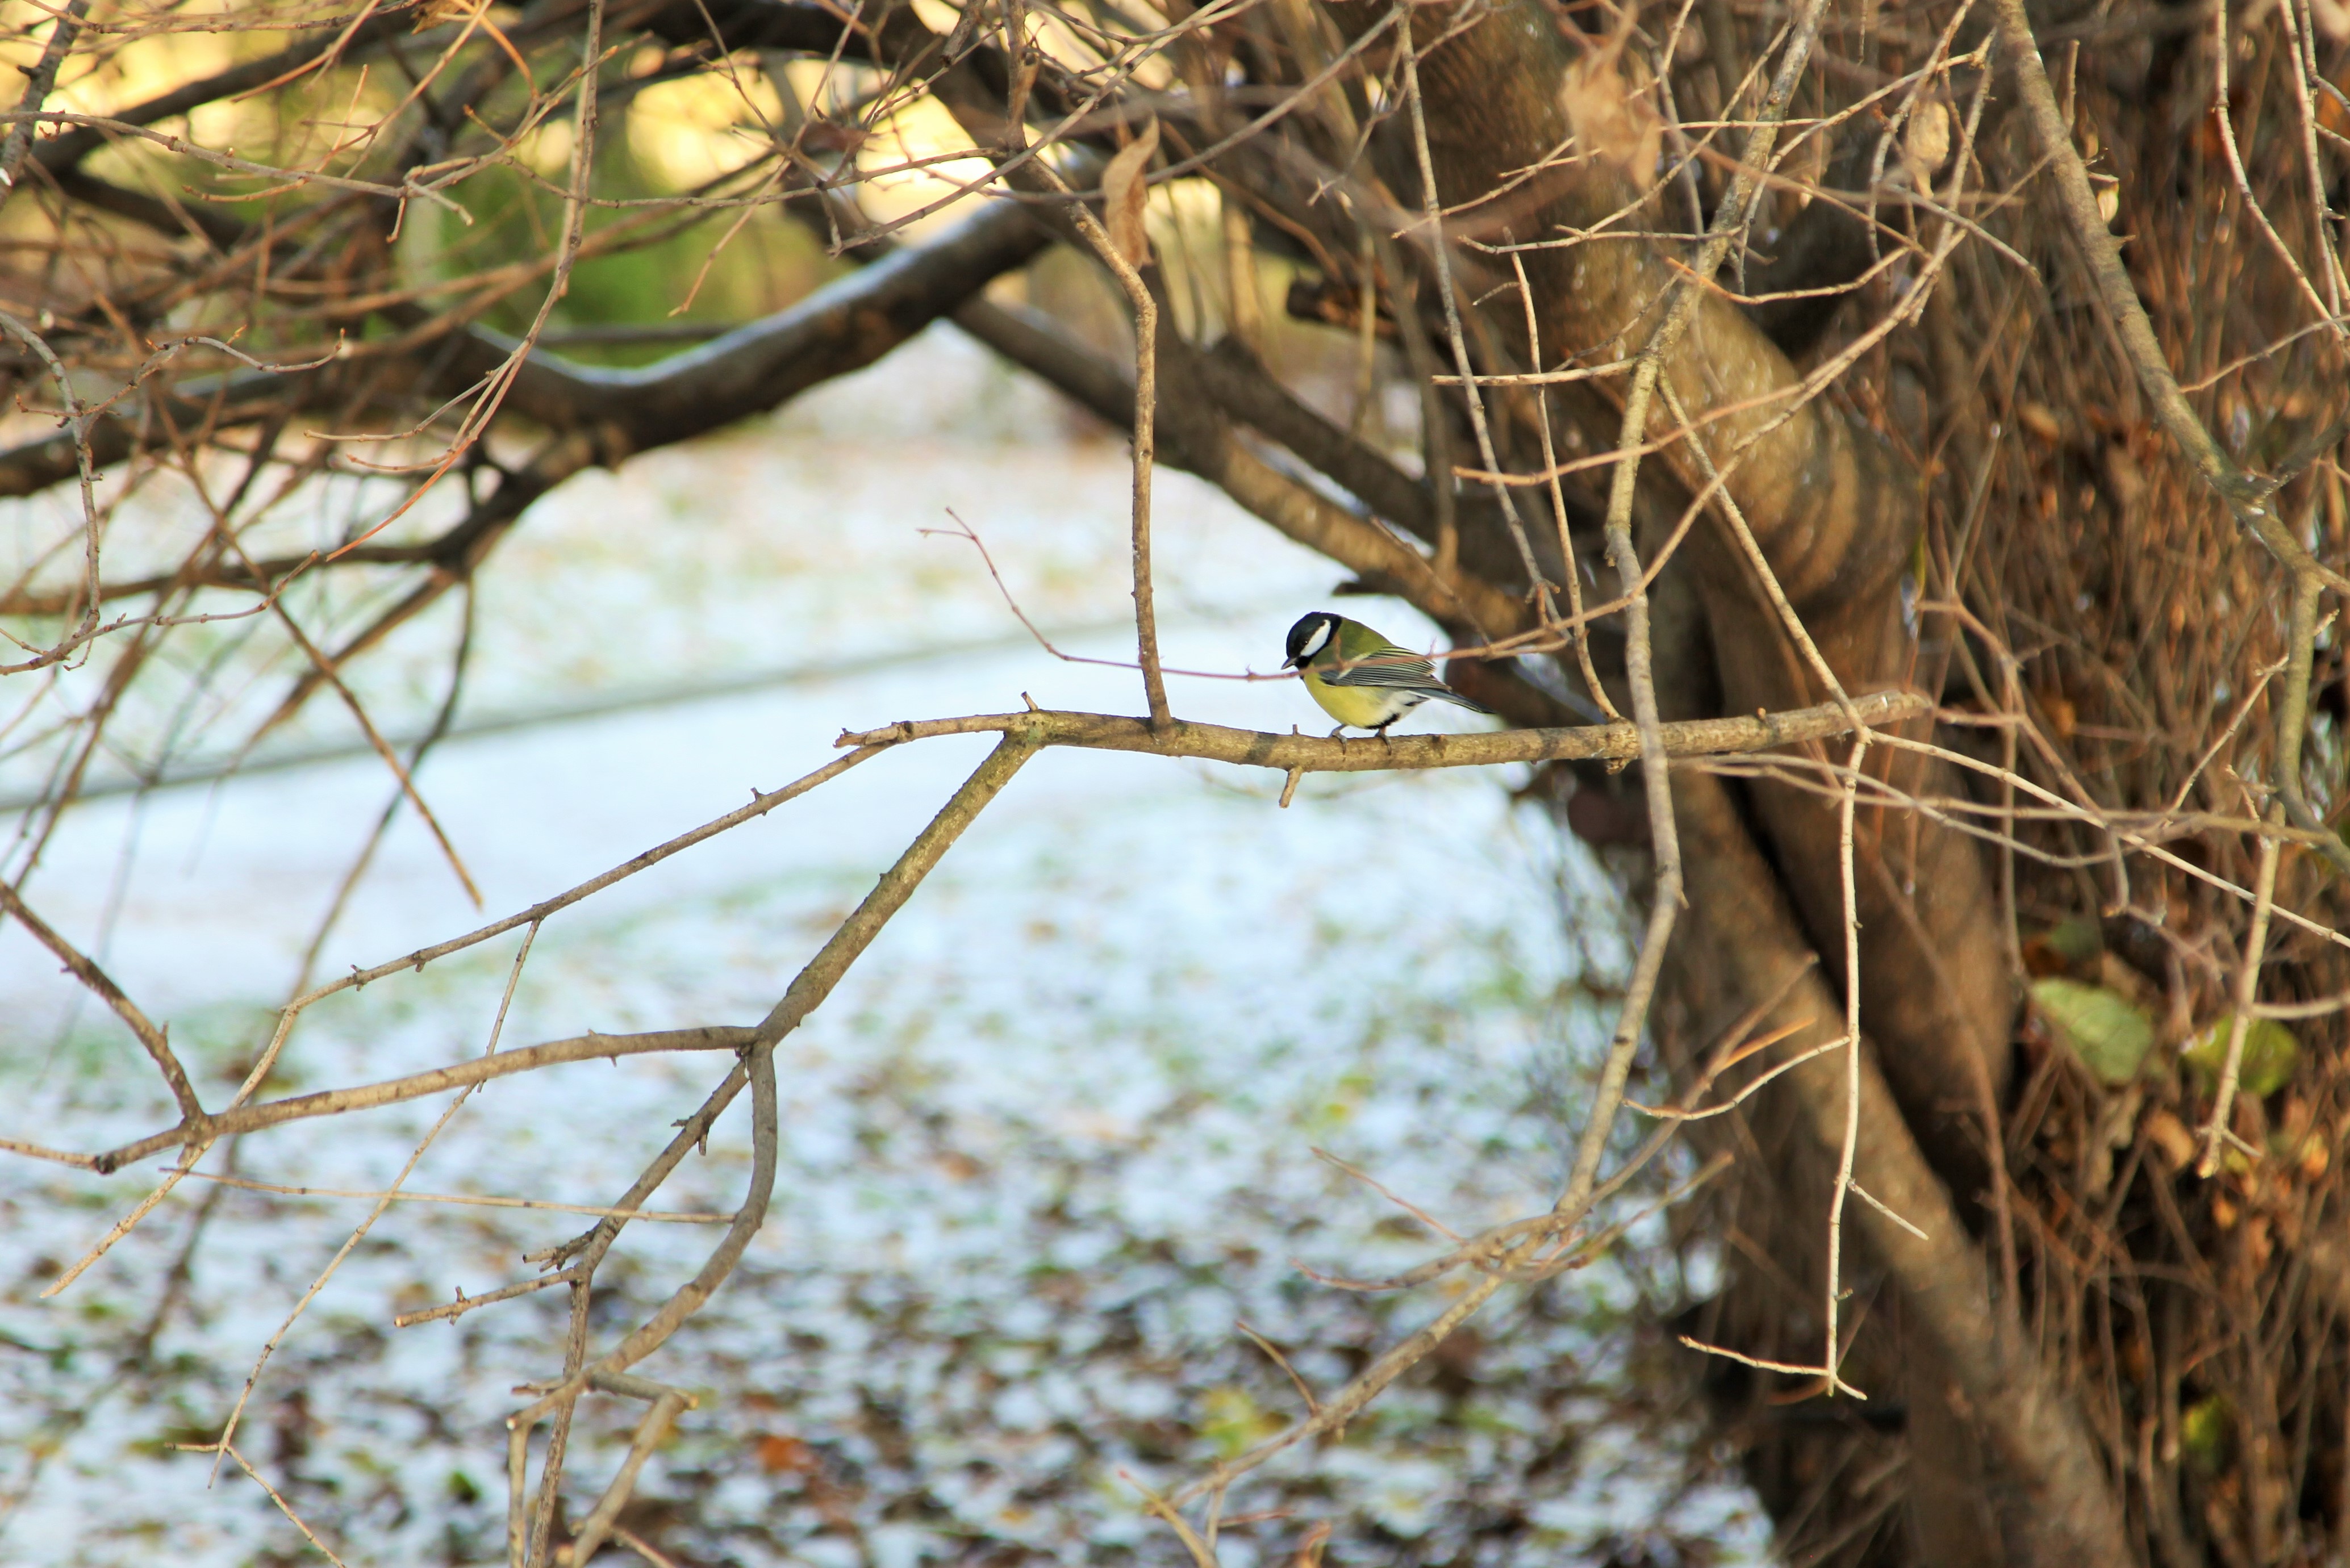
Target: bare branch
{"x": 1313, "y": 754}
{"x": 153, "y": 1038}
{"x": 2246, "y": 496}
{"x": 1144, "y": 420}
{"x": 415, "y": 1085}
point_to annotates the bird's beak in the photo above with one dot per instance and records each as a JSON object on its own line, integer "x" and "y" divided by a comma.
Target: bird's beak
{"x": 1289, "y": 664}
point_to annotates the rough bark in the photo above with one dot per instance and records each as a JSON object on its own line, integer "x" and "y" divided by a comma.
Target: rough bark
{"x": 1971, "y": 1376}
{"x": 1836, "y": 518}
{"x": 1832, "y": 510}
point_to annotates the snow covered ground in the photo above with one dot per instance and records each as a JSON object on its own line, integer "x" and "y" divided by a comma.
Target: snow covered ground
{"x": 1050, "y": 1142}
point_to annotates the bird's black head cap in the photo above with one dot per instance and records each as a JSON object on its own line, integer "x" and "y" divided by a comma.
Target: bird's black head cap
{"x": 1308, "y": 636}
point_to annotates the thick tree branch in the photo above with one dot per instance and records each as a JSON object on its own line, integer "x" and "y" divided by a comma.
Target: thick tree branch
{"x": 1742, "y": 939}
{"x": 1833, "y": 512}
{"x": 1195, "y": 436}
{"x": 1233, "y": 375}
{"x": 843, "y": 327}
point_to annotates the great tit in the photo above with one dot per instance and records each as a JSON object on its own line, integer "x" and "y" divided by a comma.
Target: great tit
{"x": 1362, "y": 680}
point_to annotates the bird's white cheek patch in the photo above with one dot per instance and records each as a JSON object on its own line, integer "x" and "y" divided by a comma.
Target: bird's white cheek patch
{"x": 1314, "y": 642}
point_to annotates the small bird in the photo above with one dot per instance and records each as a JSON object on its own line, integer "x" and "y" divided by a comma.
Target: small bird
{"x": 1362, "y": 680}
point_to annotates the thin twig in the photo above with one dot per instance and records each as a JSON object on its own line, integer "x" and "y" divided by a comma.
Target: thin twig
{"x": 2247, "y": 497}
{"x": 1849, "y": 1149}
{"x": 392, "y": 1091}
{"x": 154, "y": 1039}
{"x": 283, "y": 1506}
{"x": 382, "y": 1204}
{"x": 1571, "y": 569}
{"x": 461, "y": 1199}
{"x": 650, "y": 1433}
{"x": 1146, "y": 424}
{"x": 466, "y": 1303}
{"x": 1440, "y": 251}
{"x": 808, "y": 991}
{"x": 39, "y": 83}
{"x": 2248, "y": 982}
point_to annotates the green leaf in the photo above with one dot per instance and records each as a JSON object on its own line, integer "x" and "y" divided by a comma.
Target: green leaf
{"x": 2204, "y": 1428}
{"x": 2099, "y": 1027}
{"x": 2271, "y": 1054}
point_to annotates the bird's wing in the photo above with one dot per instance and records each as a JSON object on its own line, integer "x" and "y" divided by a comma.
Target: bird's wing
{"x": 1398, "y": 669}
{"x": 1392, "y": 667}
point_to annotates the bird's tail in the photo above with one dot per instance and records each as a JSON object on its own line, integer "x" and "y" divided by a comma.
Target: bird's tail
{"x": 1457, "y": 699}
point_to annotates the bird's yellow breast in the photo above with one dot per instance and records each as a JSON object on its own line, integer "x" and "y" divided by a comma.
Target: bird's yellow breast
{"x": 1357, "y": 706}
